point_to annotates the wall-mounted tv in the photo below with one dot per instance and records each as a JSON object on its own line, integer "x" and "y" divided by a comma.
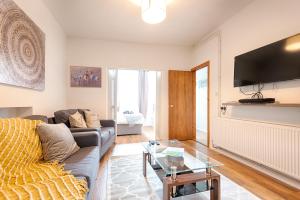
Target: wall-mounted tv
{"x": 279, "y": 61}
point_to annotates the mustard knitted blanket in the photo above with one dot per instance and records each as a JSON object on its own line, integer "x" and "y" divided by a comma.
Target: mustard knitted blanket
{"x": 23, "y": 174}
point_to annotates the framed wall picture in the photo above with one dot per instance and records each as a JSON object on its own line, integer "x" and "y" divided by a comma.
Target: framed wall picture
{"x": 82, "y": 76}
{"x": 22, "y": 48}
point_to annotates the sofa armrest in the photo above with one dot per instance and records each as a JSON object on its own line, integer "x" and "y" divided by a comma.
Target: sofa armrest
{"x": 51, "y": 120}
{"x": 75, "y": 130}
{"x": 86, "y": 139}
{"x": 108, "y": 123}
{"x": 37, "y": 117}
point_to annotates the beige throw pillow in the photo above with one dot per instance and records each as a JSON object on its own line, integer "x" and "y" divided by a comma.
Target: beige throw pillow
{"x": 92, "y": 120}
{"x": 77, "y": 121}
{"x": 57, "y": 141}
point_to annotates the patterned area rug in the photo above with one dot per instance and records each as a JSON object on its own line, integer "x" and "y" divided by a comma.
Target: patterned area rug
{"x": 126, "y": 182}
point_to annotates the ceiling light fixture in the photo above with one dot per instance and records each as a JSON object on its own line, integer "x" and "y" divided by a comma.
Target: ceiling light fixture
{"x": 293, "y": 43}
{"x": 153, "y": 11}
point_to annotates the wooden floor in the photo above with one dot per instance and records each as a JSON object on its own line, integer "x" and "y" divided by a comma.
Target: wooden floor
{"x": 261, "y": 185}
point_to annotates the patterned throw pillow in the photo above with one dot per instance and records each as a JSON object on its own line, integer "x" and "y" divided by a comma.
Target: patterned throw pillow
{"x": 77, "y": 121}
{"x": 92, "y": 120}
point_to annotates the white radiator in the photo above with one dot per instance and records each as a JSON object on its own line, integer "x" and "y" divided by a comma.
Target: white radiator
{"x": 274, "y": 146}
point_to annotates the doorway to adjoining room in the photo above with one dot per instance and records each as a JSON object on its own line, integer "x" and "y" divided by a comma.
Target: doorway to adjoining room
{"x": 202, "y": 104}
{"x": 133, "y": 95}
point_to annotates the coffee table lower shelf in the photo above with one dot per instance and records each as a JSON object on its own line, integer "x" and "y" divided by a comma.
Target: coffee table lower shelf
{"x": 187, "y": 183}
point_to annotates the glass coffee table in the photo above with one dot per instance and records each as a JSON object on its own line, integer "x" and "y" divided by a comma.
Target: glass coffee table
{"x": 181, "y": 173}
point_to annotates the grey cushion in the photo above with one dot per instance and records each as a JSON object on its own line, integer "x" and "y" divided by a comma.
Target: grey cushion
{"x": 62, "y": 116}
{"x": 106, "y": 146}
{"x": 105, "y": 135}
{"x": 111, "y": 130}
{"x": 84, "y": 162}
{"x": 107, "y": 139}
{"x": 109, "y": 135}
{"x": 57, "y": 141}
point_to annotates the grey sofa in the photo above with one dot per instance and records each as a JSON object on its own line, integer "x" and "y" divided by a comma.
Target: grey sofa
{"x": 84, "y": 164}
{"x": 107, "y": 132}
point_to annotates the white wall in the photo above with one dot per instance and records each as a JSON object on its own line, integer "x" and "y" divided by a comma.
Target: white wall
{"x": 209, "y": 51}
{"x": 106, "y": 54}
{"x": 260, "y": 23}
{"x": 53, "y": 97}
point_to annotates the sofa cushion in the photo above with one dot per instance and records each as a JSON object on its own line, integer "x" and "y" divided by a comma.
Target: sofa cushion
{"x": 77, "y": 121}
{"x": 111, "y": 130}
{"x": 92, "y": 119}
{"x": 105, "y": 135}
{"x": 57, "y": 141}
{"x": 62, "y": 116}
{"x": 84, "y": 163}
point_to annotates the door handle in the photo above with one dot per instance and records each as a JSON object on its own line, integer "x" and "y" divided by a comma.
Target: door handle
{"x": 171, "y": 106}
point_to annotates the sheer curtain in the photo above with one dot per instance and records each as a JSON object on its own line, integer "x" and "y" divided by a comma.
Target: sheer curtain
{"x": 143, "y": 92}
{"x": 128, "y": 91}
{"x": 112, "y": 93}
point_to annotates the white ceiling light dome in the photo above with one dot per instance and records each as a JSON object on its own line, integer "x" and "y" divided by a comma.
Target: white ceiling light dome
{"x": 153, "y": 11}
{"x": 293, "y": 43}
{"x": 138, "y": 2}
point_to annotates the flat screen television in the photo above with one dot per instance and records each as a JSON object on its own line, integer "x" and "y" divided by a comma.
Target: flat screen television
{"x": 271, "y": 63}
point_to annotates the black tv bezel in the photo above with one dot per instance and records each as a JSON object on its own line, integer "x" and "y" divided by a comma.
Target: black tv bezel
{"x": 262, "y": 82}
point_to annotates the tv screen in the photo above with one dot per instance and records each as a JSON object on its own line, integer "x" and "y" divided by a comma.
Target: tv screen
{"x": 272, "y": 63}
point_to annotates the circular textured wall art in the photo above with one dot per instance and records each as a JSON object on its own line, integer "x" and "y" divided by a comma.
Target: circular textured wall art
{"x": 22, "y": 48}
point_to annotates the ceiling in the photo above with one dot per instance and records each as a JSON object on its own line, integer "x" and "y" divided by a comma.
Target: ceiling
{"x": 120, "y": 20}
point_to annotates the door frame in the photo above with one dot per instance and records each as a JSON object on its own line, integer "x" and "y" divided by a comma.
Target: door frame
{"x": 198, "y": 67}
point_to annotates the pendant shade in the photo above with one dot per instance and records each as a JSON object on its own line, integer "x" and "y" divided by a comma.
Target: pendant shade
{"x": 293, "y": 43}
{"x": 153, "y": 11}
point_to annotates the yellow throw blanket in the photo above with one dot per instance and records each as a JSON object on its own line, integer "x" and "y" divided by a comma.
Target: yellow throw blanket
{"x": 23, "y": 174}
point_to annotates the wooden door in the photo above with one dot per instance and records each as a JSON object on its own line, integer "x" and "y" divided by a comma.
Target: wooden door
{"x": 181, "y": 101}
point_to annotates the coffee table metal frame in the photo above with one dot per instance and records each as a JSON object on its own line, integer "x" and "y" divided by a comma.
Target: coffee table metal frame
{"x": 169, "y": 184}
